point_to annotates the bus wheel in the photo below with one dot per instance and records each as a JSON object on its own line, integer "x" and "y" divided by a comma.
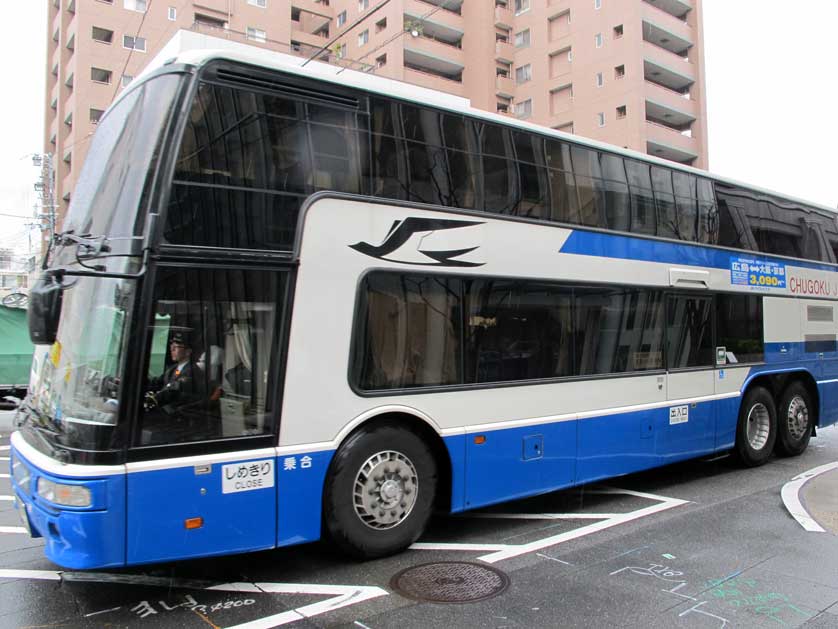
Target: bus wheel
{"x": 794, "y": 420}
{"x": 756, "y": 430}
{"x": 380, "y": 491}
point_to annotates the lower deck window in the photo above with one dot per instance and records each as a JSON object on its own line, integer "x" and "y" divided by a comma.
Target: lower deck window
{"x": 420, "y": 331}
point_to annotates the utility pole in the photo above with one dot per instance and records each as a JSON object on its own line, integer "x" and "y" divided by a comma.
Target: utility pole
{"x": 45, "y": 187}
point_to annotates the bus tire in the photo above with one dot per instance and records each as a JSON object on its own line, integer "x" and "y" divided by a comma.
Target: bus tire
{"x": 756, "y": 430}
{"x": 794, "y": 420}
{"x": 380, "y": 491}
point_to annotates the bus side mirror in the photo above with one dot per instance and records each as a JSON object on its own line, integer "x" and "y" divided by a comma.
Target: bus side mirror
{"x": 45, "y": 310}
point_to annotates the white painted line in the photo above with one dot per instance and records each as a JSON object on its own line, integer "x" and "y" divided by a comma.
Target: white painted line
{"x": 9, "y": 498}
{"x": 4, "y": 458}
{"x": 455, "y": 546}
{"x": 791, "y": 497}
{"x": 13, "y": 529}
{"x": 523, "y": 549}
{"x": 42, "y": 575}
{"x": 4, "y": 476}
{"x": 540, "y": 516}
{"x": 341, "y": 595}
{"x": 5, "y": 448}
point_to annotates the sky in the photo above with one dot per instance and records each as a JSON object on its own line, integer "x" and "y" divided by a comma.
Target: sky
{"x": 771, "y": 96}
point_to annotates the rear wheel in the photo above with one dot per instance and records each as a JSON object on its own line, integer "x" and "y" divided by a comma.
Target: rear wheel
{"x": 756, "y": 430}
{"x": 380, "y": 491}
{"x": 794, "y": 420}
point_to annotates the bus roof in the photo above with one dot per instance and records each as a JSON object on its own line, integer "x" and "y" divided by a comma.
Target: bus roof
{"x": 197, "y": 49}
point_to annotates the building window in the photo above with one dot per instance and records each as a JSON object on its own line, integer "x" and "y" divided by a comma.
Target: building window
{"x": 341, "y": 18}
{"x": 598, "y": 40}
{"x": 569, "y": 56}
{"x": 258, "y": 3}
{"x": 524, "y": 109}
{"x": 522, "y": 39}
{"x": 99, "y": 75}
{"x": 618, "y": 31}
{"x": 136, "y": 5}
{"x": 381, "y": 61}
{"x": 381, "y": 25}
{"x": 133, "y": 43}
{"x": 600, "y": 119}
{"x": 102, "y": 35}
{"x": 255, "y": 34}
{"x": 523, "y": 74}
{"x": 597, "y": 4}
{"x": 621, "y": 112}
{"x": 95, "y": 115}
{"x": 619, "y": 71}
{"x": 363, "y": 37}
{"x": 172, "y": 14}
{"x": 599, "y": 80}
{"x": 503, "y": 108}
{"x": 363, "y": 5}
{"x": 126, "y": 79}
{"x": 340, "y": 51}
{"x": 521, "y": 6}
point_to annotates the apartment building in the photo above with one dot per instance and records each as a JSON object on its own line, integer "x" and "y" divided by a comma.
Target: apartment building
{"x": 627, "y": 72}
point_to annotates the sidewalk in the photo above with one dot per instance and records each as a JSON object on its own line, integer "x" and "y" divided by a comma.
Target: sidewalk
{"x": 820, "y": 497}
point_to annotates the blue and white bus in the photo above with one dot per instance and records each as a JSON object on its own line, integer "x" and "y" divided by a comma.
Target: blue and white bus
{"x": 289, "y": 304}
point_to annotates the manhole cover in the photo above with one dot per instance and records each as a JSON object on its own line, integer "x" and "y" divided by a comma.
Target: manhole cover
{"x": 450, "y": 582}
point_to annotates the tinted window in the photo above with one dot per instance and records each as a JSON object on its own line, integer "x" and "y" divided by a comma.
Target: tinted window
{"x": 739, "y": 327}
{"x": 686, "y": 205}
{"x": 517, "y": 331}
{"x": 409, "y": 332}
{"x": 619, "y": 330}
{"x": 617, "y": 201}
{"x": 708, "y": 213}
{"x": 643, "y": 210}
{"x": 214, "y": 357}
{"x": 247, "y": 160}
{"x": 689, "y": 332}
{"x": 669, "y": 224}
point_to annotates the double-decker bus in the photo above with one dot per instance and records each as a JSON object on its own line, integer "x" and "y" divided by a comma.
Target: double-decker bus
{"x": 292, "y": 302}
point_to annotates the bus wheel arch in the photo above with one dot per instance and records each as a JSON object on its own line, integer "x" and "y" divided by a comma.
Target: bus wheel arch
{"x": 392, "y": 457}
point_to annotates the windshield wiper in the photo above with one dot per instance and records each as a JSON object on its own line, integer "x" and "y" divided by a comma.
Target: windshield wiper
{"x": 38, "y": 420}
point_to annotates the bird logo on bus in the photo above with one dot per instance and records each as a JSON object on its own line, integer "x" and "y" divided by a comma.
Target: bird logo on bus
{"x": 402, "y": 231}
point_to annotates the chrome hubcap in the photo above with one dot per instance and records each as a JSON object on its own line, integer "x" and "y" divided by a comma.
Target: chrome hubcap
{"x": 385, "y": 490}
{"x": 759, "y": 426}
{"x": 797, "y": 418}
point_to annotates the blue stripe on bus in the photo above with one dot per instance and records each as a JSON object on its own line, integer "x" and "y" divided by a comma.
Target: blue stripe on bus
{"x": 603, "y": 245}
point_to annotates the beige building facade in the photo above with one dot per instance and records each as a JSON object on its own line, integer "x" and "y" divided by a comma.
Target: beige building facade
{"x": 627, "y": 72}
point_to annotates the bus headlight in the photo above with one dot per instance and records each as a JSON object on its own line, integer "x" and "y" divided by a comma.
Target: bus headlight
{"x": 66, "y": 495}
{"x": 21, "y": 474}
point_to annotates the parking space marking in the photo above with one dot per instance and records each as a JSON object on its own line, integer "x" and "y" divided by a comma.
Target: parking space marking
{"x": 500, "y": 552}
{"x": 791, "y": 497}
{"x": 341, "y": 595}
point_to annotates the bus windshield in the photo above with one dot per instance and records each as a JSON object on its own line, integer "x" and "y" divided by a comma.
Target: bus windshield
{"x": 121, "y": 161}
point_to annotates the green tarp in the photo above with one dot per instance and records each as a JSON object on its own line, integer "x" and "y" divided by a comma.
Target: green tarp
{"x": 15, "y": 348}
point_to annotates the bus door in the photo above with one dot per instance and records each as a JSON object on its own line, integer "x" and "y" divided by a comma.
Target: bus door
{"x": 202, "y": 469}
{"x": 689, "y": 424}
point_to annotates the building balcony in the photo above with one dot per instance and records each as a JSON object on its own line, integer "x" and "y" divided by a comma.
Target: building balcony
{"x": 312, "y": 8}
{"x": 309, "y": 39}
{"x": 56, "y": 22}
{"x": 667, "y": 69}
{"x": 417, "y": 8}
{"x": 670, "y": 144}
{"x": 452, "y": 6}
{"x": 433, "y": 81}
{"x": 435, "y": 55}
{"x": 679, "y": 107}
{"x": 504, "y": 51}
{"x": 430, "y": 29}
{"x": 674, "y": 35}
{"x": 504, "y": 86}
{"x": 675, "y": 8}
{"x": 503, "y": 17}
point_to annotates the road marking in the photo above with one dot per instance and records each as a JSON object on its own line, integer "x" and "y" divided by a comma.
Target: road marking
{"x": 791, "y": 497}
{"x": 500, "y": 552}
{"x": 13, "y": 529}
{"x": 340, "y": 595}
{"x": 4, "y": 476}
{"x": 4, "y": 458}
{"x": 9, "y": 498}
{"x": 5, "y": 448}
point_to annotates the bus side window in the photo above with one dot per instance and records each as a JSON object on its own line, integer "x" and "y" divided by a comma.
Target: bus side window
{"x": 739, "y": 327}
{"x": 686, "y": 203}
{"x": 617, "y": 201}
{"x": 643, "y": 212}
{"x": 689, "y": 332}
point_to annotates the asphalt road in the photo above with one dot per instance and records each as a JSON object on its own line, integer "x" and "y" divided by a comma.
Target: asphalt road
{"x": 702, "y": 544}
